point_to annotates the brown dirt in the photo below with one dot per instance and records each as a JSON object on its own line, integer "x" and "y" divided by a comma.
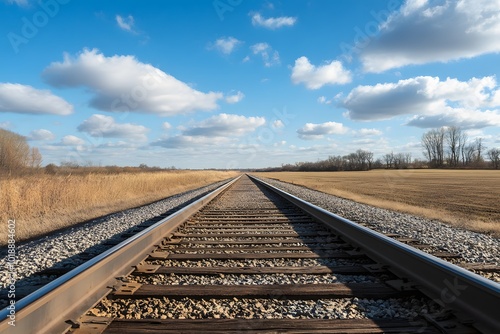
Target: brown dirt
{"x": 465, "y": 198}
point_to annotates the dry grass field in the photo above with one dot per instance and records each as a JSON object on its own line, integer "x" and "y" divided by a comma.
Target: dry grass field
{"x": 465, "y": 198}
{"x": 42, "y": 203}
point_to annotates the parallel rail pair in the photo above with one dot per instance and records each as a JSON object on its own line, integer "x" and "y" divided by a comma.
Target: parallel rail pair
{"x": 53, "y": 308}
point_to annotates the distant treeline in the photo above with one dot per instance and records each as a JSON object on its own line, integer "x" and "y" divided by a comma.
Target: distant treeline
{"x": 447, "y": 147}
{"x": 357, "y": 161}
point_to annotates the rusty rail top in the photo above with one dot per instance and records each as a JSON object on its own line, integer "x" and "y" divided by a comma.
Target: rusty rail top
{"x": 444, "y": 282}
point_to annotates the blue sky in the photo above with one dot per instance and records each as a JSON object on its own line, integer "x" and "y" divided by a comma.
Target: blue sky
{"x": 244, "y": 84}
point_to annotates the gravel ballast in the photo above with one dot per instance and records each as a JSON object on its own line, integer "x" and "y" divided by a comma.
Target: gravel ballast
{"x": 232, "y": 279}
{"x": 472, "y": 246}
{"x": 186, "y": 308}
{"x": 62, "y": 249}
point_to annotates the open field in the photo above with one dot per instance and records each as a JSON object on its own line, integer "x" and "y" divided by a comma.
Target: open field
{"x": 465, "y": 198}
{"x": 43, "y": 203}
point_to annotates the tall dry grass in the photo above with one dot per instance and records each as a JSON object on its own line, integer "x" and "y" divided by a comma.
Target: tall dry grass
{"x": 43, "y": 203}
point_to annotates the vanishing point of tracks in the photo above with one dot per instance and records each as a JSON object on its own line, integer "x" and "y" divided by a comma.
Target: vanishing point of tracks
{"x": 248, "y": 259}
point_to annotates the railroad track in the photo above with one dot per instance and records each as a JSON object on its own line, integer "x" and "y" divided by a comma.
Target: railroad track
{"x": 248, "y": 258}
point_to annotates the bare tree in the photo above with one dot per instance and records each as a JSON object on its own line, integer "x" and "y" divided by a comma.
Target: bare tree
{"x": 462, "y": 142}
{"x": 469, "y": 153}
{"x": 479, "y": 149}
{"x": 433, "y": 143}
{"x": 361, "y": 163}
{"x": 335, "y": 163}
{"x": 408, "y": 158}
{"x": 14, "y": 151}
{"x": 51, "y": 169}
{"x": 401, "y": 160}
{"x": 369, "y": 159}
{"x": 389, "y": 159}
{"x": 397, "y": 161}
{"x": 453, "y": 134}
{"x": 377, "y": 164}
{"x": 494, "y": 156}
{"x": 35, "y": 158}
{"x": 417, "y": 163}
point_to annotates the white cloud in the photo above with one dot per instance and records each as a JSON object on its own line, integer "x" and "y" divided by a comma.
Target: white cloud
{"x": 23, "y": 99}
{"x": 369, "y": 132}
{"x": 122, "y": 83}
{"x": 5, "y": 125}
{"x": 324, "y": 100}
{"x": 269, "y": 56}
{"x": 467, "y": 119}
{"x": 105, "y": 126}
{"x": 226, "y": 45}
{"x": 235, "y": 98}
{"x": 212, "y": 131}
{"x": 225, "y": 125}
{"x": 20, "y": 3}
{"x": 432, "y": 102}
{"x": 316, "y": 77}
{"x": 41, "y": 134}
{"x": 318, "y": 131}
{"x": 273, "y": 22}
{"x": 495, "y": 100}
{"x": 71, "y": 140}
{"x": 182, "y": 141}
{"x": 118, "y": 144}
{"x": 259, "y": 47}
{"x": 277, "y": 124}
{"x": 166, "y": 126}
{"x": 425, "y": 31}
{"x": 279, "y": 143}
{"x": 476, "y": 133}
{"x": 126, "y": 23}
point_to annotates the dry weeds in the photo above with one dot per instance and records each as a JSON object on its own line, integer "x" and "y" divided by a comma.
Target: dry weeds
{"x": 44, "y": 203}
{"x": 464, "y": 198}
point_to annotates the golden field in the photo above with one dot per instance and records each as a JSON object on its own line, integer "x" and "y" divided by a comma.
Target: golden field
{"x": 42, "y": 203}
{"x": 464, "y": 198}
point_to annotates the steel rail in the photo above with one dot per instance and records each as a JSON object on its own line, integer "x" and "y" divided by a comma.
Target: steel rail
{"x": 447, "y": 284}
{"x": 52, "y": 308}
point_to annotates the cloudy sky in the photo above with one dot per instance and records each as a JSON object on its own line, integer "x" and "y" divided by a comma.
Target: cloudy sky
{"x": 238, "y": 83}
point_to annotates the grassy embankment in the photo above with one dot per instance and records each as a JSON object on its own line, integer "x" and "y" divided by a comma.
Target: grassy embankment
{"x": 464, "y": 198}
{"x": 42, "y": 203}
